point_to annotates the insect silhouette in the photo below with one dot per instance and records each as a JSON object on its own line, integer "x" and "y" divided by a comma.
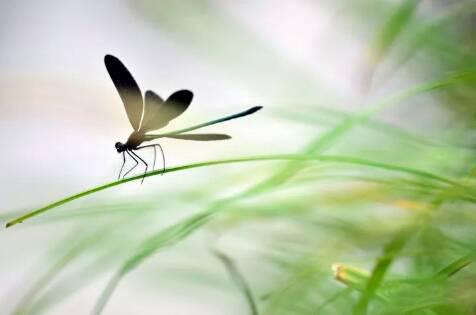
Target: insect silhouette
{"x": 152, "y": 113}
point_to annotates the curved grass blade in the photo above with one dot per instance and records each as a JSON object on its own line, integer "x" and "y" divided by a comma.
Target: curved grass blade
{"x": 238, "y": 278}
{"x": 390, "y": 32}
{"x": 72, "y": 253}
{"x": 456, "y": 266}
{"x": 390, "y": 251}
{"x": 43, "y": 294}
{"x": 165, "y": 238}
{"x": 323, "y": 116}
{"x": 314, "y": 147}
{"x": 336, "y": 296}
{"x": 278, "y": 157}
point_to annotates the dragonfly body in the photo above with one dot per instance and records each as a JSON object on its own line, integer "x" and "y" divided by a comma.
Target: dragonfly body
{"x": 133, "y": 142}
{"x": 152, "y": 112}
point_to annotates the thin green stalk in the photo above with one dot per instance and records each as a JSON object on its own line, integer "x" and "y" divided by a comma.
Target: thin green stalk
{"x": 456, "y": 266}
{"x": 238, "y": 278}
{"x": 386, "y": 38}
{"x": 278, "y": 157}
{"x": 324, "y": 115}
{"x": 333, "y": 298}
{"x": 76, "y": 249}
{"x": 165, "y": 238}
{"x": 384, "y": 262}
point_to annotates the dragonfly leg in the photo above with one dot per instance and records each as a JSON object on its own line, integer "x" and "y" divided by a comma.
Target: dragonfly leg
{"x": 155, "y": 154}
{"x": 163, "y": 158}
{"x": 137, "y": 163}
{"x": 146, "y": 165}
{"x": 123, "y": 163}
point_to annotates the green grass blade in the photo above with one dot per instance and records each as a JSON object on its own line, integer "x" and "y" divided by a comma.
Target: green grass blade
{"x": 164, "y": 238}
{"x": 384, "y": 262}
{"x": 389, "y": 34}
{"x": 456, "y": 266}
{"x": 282, "y": 157}
{"x": 238, "y": 278}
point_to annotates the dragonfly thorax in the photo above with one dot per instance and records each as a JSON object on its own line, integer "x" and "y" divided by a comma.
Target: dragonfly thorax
{"x": 134, "y": 140}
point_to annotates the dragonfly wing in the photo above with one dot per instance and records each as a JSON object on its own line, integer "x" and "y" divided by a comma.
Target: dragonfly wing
{"x": 176, "y": 104}
{"x": 152, "y": 106}
{"x": 200, "y": 136}
{"x": 127, "y": 88}
{"x": 161, "y": 113}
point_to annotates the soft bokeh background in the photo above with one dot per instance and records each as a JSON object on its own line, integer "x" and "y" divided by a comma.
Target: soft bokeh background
{"x": 60, "y": 117}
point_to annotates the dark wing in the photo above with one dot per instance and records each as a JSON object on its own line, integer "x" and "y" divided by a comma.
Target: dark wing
{"x": 164, "y": 112}
{"x": 176, "y": 104}
{"x": 128, "y": 89}
{"x": 201, "y": 136}
{"x": 152, "y": 106}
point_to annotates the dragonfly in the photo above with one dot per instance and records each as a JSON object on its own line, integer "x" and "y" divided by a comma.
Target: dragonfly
{"x": 149, "y": 113}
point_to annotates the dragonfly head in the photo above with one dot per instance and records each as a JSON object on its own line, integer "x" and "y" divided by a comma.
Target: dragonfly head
{"x": 120, "y": 147}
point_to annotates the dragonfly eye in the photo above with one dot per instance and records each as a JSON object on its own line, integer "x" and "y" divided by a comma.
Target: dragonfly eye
{"x": 119, "y": 147}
